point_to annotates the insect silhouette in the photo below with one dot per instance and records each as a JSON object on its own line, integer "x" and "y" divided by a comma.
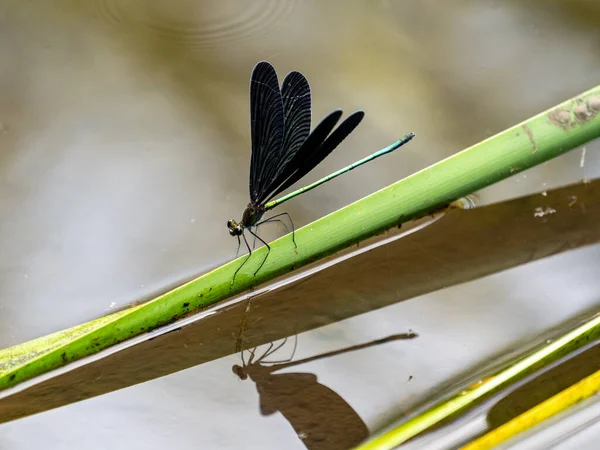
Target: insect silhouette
{"x": 321, "y": 417}
{"x": 284, "y": 149}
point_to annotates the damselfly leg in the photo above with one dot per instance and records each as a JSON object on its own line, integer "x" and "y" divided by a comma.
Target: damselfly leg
{"x": 266, "y": 245}
{"x": 287, "y": 359}
{"x": 246, "y": 259}
{"x": 274, "y": 219}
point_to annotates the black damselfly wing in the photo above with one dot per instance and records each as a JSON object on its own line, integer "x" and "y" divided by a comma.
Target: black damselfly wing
{"x": 295, "y": 92}
{"x": 312, "y": 153}
{"x": 283, "y": 148}
{"x": 266, "y": 125}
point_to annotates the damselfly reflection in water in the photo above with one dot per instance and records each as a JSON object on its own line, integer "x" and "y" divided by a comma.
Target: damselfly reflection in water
{"x": 321, "y": 418}
{"x": 284, "y": 149}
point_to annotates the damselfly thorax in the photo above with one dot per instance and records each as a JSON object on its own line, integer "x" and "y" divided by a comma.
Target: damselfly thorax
{"x": 252, "y": 215}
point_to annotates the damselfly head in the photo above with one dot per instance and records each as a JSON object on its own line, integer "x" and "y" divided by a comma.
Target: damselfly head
{"x": 235, "y": 229}
{"x": 239, "y": 372}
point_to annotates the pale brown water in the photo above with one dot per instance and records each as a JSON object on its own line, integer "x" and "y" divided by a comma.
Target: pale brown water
{"x": 124, "y": 149}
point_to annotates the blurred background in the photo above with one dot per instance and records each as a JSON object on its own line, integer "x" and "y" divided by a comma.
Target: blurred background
{"x": 124, "y": 149}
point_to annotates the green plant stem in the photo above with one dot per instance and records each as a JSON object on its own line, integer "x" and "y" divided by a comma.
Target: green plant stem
{"x": 522, "y": 146}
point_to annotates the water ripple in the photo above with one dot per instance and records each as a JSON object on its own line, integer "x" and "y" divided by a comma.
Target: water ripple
{"x": 197, "y": 25}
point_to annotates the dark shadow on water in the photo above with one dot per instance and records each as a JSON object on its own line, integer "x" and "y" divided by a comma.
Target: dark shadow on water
{"x": 321, "y": 418}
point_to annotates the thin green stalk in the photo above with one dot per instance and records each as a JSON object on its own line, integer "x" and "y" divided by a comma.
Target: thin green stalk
{"x": 561, "y": 402}
{"x": 525, "y": 145}
{"x": 409, "y": 429}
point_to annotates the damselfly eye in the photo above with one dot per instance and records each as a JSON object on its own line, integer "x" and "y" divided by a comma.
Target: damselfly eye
{"x": 229, "y": 223}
